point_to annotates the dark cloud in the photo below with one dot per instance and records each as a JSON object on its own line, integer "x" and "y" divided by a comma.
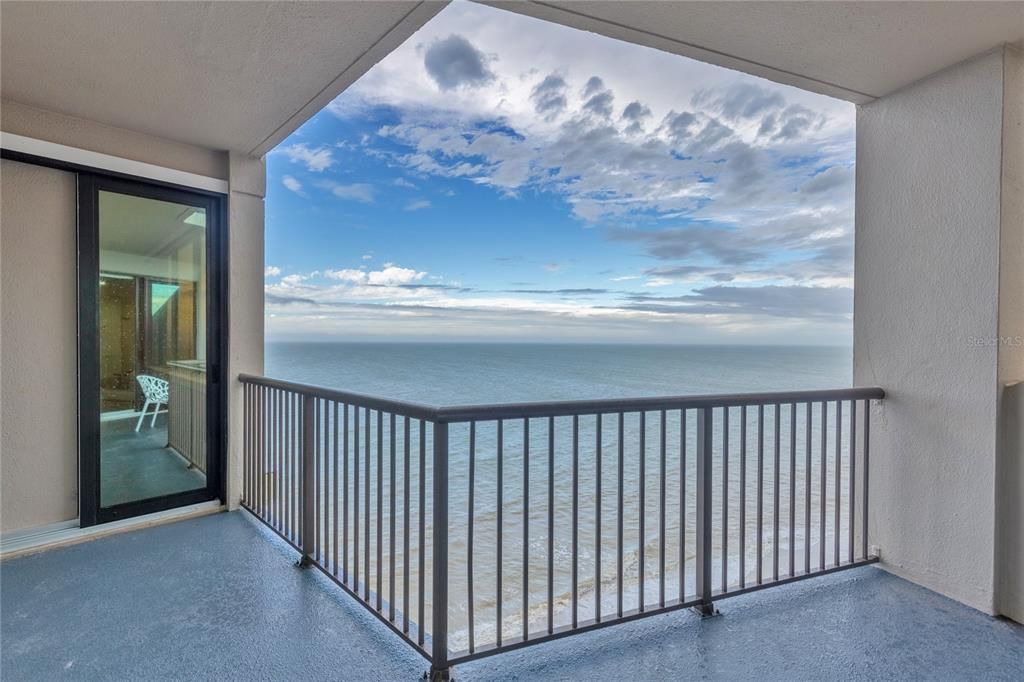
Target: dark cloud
{"x": 636, "y": 113}
{"x": 679, "y": 125}
{"x": 710, "y": 135}
{"x": 828, "y": 180}
{"x": 453, "y": 62}
{"x": 685, "y": 271}
{"x": 600, "y": 104}
{"x": 686, "y": 242}
{"x": 559, "y": 292}
{"x": 593, "y": 86}
{"x": 774, "y": 300}
{"x": 282, "y": 299}
{"x": 549, "y": 95}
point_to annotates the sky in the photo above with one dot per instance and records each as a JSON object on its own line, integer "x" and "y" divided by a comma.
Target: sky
{"x": 500, "y": 178}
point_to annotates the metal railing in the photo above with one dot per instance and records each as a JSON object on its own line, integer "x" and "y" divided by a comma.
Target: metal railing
{"x": 472, "y": 530}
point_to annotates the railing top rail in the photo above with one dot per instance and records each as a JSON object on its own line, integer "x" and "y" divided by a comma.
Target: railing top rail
{"x": 398, "y": 407}
{"x": 564, "y": 408}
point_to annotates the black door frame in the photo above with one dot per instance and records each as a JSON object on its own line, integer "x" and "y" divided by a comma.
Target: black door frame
{"x": 89, "y": 185}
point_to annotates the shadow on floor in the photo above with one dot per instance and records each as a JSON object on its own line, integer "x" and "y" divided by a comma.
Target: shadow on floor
{"x": 220, "y": 598}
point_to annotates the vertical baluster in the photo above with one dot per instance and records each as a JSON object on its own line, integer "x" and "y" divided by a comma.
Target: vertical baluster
{"x": 575, "y": 518}
{"x": 367, "y": 460}
{"x": 776, "y": 501}
{"x": 499, "y": 591}
{"x": 807, "y": 489}
{"x": 318, "y": 475}
{"x": 864, "y": 508}
{"x": 335, "y": 492}
{"x": 355, "y": 499}
{"x": 853, "y": 477}
{"x": 838, "y": 475}
{"x": 551, "y": 525}
{"x": 344, "y": 501}
{"x": 705, "y": 417}
{"x": 743, "y": 497}
{"x": 379, "y": 503}
{"x": 620, "y": 507}
{"x": 661, "y": 517}
{"x": 682, "y": 505}
{"x": 439, "y": 593}
{"x": 526, "y": 529}
{"x": 261, "y": 478}
{"x": 421, "y": 623}
{"x": 824, "y": 471}
{"x": 642, "y": 506}
{"x": 760, "y": 494}
{"x": 306, "y": 536}
{"x": 725, "y": 499}
{"x": 391, "y": 523}
{"x": 792, "y": 489}
{"x": 406, "y": 485}
{"x": 278, "y": 466}
{"x": 246, "y": 499}
{"x": 597, "y": 521}
{"x": 470, "y": 509}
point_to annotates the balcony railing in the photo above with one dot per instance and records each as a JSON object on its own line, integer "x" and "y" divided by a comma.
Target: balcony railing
{"x": 477, "y": 529}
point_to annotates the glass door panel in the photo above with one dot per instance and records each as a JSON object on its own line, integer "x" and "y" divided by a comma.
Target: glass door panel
{"x": 152, "y": 324}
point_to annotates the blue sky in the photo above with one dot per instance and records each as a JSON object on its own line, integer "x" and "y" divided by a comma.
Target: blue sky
{"x": 501, "y": 178}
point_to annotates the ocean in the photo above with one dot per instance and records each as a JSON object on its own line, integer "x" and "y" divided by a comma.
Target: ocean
{"x": 464, "y": 373}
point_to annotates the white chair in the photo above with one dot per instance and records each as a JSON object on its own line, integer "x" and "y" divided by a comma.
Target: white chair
{"x": 156, "y": 391}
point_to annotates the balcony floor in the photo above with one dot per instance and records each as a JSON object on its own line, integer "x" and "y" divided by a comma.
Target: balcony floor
{"x": 219, "y": 597}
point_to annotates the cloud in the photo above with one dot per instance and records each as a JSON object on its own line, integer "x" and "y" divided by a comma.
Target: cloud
{"x": 549, "y": 95}
{"x": 828, "y": 180}
{"x": 453, "y": 62}
{"x": 359, "y": 191}
{"x": 742, "y": 100}
{"x": 316, "y": 159}
{"x": 347, "y": 275}
{"x": 402, "y": 182}
{"x": 367, "y": 256}
{"x": 271, "y": 271}
{"x": 773, "y": 300}
{"x": 600, "y": 104}
{"x": 293, "y": 184}
{"x": 417, "y": 205}
{"x": 552, "y": 267}
{"x": 636, "y": 113}
{"x": 594, "y": 85}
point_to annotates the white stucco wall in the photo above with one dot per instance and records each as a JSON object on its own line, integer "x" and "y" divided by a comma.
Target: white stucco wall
{"x": 927, "y": 320}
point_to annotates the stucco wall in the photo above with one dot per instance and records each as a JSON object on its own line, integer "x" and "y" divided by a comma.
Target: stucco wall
{"x": 1010, "y": 462}
{"x": 24, "y": 120}
{"x": 926, "y": 322}
{"x": 38, "y": 443}
{"x": 248, "y": 187}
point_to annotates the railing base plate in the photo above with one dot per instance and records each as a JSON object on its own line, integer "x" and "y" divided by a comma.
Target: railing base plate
{"x": 438, "y": 675}
{"x": 706, "y": 611}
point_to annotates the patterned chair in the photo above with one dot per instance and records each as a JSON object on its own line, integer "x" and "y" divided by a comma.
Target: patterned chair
{"x": 156, "y": 391}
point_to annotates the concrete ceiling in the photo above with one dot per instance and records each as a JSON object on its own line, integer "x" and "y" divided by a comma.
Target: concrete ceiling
{"x": 239, "y": 76}
{"x": 852, "y": 50}
{"x": 242, "y": 76}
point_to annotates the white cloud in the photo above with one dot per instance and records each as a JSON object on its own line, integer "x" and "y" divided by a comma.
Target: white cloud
{"x": 402, "y": 182}
{"x": 271, "y": 271}
{"x": 393, "y": 275}
{"x": 314, "y": 159}
{"x": 417, "y": 205}
{"x": 367, "y": 256}
{"x": 346, "y": 275}
{"x": 293, "y": 184}
{"x": 359, "y": 191}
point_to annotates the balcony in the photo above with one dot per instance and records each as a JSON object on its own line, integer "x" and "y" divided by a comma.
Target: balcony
{"x": 220, "y": 597}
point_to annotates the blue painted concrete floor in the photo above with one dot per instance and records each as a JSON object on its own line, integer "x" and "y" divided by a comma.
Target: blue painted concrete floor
{"x": 219, "y": 598}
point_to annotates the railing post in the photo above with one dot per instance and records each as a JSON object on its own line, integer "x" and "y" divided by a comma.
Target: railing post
{"x": 704, "y": 451}
{"x": 439, "y": 669}
{"x": 306, "y": 497}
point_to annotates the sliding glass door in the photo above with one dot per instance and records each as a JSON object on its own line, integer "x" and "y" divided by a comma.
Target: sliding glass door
{"x": 151, "y": 394}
